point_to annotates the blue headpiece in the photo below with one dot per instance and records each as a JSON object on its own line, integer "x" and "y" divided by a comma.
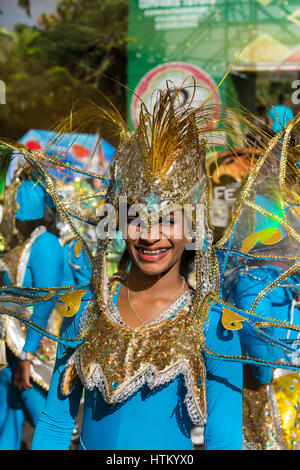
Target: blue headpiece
{"x": 32, "y": 199}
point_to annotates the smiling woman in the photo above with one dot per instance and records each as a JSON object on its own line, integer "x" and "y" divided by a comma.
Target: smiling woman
{"x": 155, "y": 274}
{"x": 145, "y": 376}
{"x": 154, "y": 348}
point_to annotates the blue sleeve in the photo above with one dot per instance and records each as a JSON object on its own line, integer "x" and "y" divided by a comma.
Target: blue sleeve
{"x": 246, "y": 290}
{"x": 46, "y": 265}
{"x": 224, "y": 385}
{"x": 56, "y": 422}
{"x": 271, "y": 113}
{"x": 81, "y": 266}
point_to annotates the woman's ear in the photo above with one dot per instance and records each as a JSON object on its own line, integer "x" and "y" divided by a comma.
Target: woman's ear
{"x": 188, "y": 229}
{"x": 189, "y": 239}
{"x": 189, "y": 244}
{"x": 189, "y": 235}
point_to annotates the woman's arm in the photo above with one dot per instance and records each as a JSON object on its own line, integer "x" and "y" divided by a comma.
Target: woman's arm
{"x": 46, "y": 264}
{"x": 56, "y": 423}
{"x": 224, "y": 384}
{"x": 245, "y": 291}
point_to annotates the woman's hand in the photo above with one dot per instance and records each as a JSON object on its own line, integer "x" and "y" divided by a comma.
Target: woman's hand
{"x": 22, "y": 375}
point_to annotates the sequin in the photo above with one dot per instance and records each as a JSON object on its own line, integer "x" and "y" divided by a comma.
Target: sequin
{"x": 258, "y": 426}
{"x": 15, "y": 263}
{"x": 153, "y": 354}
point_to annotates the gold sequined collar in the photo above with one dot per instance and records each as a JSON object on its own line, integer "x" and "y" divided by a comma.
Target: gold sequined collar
{"x": 119, "y": 360}
{"x": 169, "y": 313}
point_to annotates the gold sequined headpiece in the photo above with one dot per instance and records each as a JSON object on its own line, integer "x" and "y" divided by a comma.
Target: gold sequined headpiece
{"x": 161, "y": 167}
{"x": 163, "y": 162}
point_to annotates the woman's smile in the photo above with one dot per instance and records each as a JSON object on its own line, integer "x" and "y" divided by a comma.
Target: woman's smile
{"x": 152, "y": 254}
{"x": 158, "y": 249}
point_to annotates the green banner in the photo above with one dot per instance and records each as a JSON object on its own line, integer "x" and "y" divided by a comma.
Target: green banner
{"x": 171, "y": 39}
{"x": 175, "y": 39}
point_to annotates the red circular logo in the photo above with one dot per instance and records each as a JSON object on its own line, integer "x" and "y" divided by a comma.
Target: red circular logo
{"x": 179, "y": 74}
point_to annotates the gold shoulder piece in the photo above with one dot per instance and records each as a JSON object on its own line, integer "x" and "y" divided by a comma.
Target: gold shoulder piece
{"x": 72, "y": 302}
{"x": 231, "y": 320}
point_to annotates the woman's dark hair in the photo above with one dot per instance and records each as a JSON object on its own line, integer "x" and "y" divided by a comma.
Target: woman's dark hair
{"x": 186, "y": 263}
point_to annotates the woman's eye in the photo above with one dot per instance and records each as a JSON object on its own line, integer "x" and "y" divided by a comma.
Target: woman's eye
{"x": 167, "y": 221}
{"x": 136, "y": 222}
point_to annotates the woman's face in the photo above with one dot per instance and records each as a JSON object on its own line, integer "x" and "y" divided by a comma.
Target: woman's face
{"x": 158, "y": 249}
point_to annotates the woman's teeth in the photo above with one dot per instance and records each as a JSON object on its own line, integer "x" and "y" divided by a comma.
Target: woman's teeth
{"x": 151, "y": 252}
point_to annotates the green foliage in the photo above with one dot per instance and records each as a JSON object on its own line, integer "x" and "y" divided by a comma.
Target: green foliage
{"x": 25, "y": 4}
{"x": 6, "y": 42}
{"x": 68, "y": 56}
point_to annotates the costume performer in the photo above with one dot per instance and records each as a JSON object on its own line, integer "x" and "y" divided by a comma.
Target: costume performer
{"x": 270, "y": 401}
{"x": 270, "y": 396}
{"x": 36, "y": 260}
{"x": 152, "y": 352}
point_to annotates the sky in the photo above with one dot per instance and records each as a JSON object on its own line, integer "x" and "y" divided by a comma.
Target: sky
{"x": 13, "y": 14}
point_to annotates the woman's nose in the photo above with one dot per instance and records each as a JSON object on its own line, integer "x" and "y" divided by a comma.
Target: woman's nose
{"x": 151, "y": 234}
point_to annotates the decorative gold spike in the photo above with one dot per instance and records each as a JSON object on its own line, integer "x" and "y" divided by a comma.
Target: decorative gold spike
{"x": 72, "y": 301}
{"x": 231, "y": 320}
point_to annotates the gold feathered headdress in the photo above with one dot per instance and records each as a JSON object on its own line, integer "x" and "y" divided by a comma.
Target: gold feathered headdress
{"x": 161, "y": 167}
{"x": 164, "y": 159}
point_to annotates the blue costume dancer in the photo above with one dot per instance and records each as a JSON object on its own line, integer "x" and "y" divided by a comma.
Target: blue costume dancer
{"x": 151, "y": 402}
{"x": 271, "y": 416}
{"x": 154, "y": 348}
{"x": 270, "y": 421}
{"x": 37, "y": 262}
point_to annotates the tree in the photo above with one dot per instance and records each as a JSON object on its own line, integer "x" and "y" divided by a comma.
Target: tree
{"x": 66, "y": 57}
{"x": 25, "y": 4}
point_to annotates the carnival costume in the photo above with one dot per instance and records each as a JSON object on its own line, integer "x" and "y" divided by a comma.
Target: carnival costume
{"x": 35, "y": 261}
{"x": 144, "y": 386}
{"x": 270, "y": 396}
{"x": 271, "y": 411}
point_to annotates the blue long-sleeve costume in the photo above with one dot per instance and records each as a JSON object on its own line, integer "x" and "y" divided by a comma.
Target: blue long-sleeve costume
{"x": 275, "y": 425}
{"x": 155, "y": 419}
{"x": 46, "y": 252}
{"x": 46, "y": 267}
{"x": 276, "y": 304}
